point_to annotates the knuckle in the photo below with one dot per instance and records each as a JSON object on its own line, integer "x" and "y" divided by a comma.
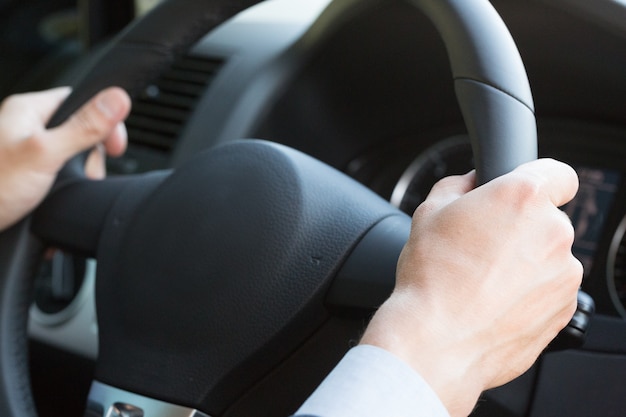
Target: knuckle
{"x": 569, "y": 282}
{"x": 569, "y": 234}
{"x": 36, "y": 145}
{"x": 87, "y": 123}
{"x": 564, "y": 231}
{"x": 527, "y": 188}
{"x": 40, "y": 150}
{"x": 568, "y": 312}
{"x": 445, "y": 182}
{"x": 576, "y": 273}
{"x": 426, "y": 208}
{"x": 560, "y": 235}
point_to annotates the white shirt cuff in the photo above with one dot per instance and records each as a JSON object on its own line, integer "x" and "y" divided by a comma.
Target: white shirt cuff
{"x": 370, "y": 381}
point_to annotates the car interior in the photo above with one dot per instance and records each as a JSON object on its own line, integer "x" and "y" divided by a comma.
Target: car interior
{"x": 276, "y": 152}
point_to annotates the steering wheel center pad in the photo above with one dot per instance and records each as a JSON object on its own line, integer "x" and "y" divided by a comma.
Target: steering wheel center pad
{"x": 246, "y": 238}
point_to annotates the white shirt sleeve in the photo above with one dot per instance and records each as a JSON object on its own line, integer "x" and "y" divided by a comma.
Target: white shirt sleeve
{"x": 370, "y": 381}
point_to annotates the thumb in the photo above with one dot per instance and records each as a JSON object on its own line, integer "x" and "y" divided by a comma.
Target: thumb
{"x": 448, "y": 189}
{"x": 96, "y": 122}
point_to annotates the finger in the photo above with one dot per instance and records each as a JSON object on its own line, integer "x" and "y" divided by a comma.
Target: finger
{"x": 451, "y": 188}
{"x": 20, "y": 112}
{"x": 115, "y": 144}
{"x": 95, "y": 122}
{"x": 444, "y": 192}
{"x": 50, "y": 100}
{"x": 44, "y": 103}
{"x": 555, "y": 178}
{"x": 95, "y": 167}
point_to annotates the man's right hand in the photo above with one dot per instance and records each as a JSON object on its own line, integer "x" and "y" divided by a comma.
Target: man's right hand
{"x": 485, "y": 282}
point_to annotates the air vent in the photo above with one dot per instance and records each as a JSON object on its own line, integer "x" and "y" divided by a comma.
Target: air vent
{"x": 159, "y": 114}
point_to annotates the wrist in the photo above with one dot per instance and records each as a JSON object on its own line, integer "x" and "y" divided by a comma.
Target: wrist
{"x": 445, "y": 364}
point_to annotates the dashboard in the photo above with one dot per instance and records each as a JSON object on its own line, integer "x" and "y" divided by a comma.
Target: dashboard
{"x": 369, "y": 93}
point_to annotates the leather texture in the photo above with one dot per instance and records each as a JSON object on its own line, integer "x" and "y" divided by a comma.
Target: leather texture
{"x": 222, "y": 271}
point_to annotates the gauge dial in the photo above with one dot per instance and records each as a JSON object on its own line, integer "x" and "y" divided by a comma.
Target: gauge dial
{"x": 616, "y": 269}
{"x": 452, "y": 156}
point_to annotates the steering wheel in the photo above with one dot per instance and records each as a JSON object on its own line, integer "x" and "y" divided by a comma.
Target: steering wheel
{"x": 252, "y": 255}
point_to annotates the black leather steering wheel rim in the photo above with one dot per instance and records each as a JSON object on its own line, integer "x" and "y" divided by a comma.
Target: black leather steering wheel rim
{"x": 492, "y": 89}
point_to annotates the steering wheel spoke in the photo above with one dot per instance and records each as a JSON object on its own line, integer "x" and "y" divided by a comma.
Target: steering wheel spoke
{"x": 367, "y": 277}
{"x": 73, "y": 216}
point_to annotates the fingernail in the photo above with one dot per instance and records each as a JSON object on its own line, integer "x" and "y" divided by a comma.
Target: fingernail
{"x": 109, "y": 104}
